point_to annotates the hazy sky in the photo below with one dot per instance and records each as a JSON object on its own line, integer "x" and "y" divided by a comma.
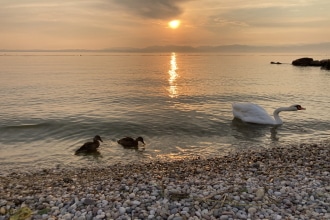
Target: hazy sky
{"x": 99, "y": 24}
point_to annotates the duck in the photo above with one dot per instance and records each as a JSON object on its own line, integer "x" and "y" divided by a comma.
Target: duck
{"x": 253, "y": 113}
{"x": 130, "y": 142}
{"x": 90, "y": 147}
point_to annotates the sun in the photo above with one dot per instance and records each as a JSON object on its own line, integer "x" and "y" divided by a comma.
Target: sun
{"x": 174, "y": 24}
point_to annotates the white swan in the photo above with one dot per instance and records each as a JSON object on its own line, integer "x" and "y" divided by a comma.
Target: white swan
{"x": 253, "y": 113}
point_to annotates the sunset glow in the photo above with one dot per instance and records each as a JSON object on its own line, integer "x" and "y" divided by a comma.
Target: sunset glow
{"x": 58, "y": 25}
{"x": 174, "y": 24}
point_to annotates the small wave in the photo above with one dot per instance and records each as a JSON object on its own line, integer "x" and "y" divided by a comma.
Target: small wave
{"x": 27, "y": 126}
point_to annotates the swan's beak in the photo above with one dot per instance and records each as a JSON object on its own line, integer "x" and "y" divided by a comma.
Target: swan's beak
{"x": 302, "y": 108}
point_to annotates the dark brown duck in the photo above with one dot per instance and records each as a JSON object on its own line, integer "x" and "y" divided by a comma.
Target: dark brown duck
{"x": 130, "y": 142}
{"x": 90, "y": 147}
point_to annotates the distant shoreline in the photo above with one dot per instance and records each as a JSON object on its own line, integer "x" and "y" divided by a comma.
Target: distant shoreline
{"x": 234, "y": 48}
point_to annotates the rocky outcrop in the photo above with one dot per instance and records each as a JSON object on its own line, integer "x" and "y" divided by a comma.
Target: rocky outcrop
{"x": 325, "y": 64}
{"x": 306, "y": 61}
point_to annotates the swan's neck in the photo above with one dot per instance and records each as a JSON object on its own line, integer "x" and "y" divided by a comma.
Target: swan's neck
{"x": 276, "y": 113}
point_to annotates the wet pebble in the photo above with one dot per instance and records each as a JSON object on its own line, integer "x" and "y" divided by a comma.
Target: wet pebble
{"x": 289, "y": 182}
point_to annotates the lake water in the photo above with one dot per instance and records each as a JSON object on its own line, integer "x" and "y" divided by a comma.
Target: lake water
{"x": 179, "y": 103}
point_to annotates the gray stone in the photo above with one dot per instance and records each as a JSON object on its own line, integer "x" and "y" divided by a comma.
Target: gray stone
{"x": 224, "y": 217}
{"x": 88, "y": 202}
{"x": 174, "y": 211}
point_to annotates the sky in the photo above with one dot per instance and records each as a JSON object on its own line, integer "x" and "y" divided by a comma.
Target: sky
{"x": 102, "y": 24}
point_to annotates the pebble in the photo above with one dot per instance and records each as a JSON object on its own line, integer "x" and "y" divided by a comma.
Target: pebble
{"x": 224, "y": 217}
{"x": 288, "y": 182}
{"x": 260, "y": 193}
{"x": 88, "y": 202}
{"x": 252, "y": 211}
{"x": 122, "y": 210}
{"x": 2, "y": 210}
{"x": 277, "y": 193}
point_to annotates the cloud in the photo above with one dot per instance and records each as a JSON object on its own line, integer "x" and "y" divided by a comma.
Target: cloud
{"x": 272, "y": 16}
{"x": 153, "y": 9}
{"x": 219, "y": 21}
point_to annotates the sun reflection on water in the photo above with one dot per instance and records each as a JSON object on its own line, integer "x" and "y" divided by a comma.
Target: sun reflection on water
{"x": 173, "y": 75}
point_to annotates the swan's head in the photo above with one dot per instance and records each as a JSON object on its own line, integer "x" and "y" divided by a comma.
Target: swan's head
{"x": 296, "y": 107}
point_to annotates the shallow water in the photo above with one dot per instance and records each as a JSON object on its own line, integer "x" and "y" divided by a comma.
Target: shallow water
{"x": 179, "y": 103}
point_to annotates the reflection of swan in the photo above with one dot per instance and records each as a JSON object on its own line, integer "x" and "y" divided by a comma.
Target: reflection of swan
{"x": 253, "y": 113}
{"x": 253, "y": 132}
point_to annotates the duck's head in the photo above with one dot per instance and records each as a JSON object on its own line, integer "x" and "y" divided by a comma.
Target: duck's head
{"x": 97, "y": 138}
{"x": 140, "y": 139}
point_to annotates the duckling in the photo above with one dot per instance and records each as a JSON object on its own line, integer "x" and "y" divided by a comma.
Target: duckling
{"x": 130, "y": 142}
{"x": 90, "y": 147}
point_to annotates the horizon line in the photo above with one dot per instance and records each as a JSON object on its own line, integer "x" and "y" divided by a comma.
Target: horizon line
{"x": 188, "y": 48}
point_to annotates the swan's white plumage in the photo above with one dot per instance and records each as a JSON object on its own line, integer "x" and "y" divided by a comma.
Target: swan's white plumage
{"x": 252, "y": 113}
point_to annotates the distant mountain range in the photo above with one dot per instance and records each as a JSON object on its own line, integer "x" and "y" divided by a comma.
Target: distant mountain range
{"x": 235, "y": 48}
{"x": 323, "y": 48}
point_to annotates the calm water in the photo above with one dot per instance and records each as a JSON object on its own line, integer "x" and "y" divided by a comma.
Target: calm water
{"x": 180, "y": 103}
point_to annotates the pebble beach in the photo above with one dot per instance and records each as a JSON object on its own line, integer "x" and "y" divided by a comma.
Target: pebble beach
{"x": 289, "y": 182}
